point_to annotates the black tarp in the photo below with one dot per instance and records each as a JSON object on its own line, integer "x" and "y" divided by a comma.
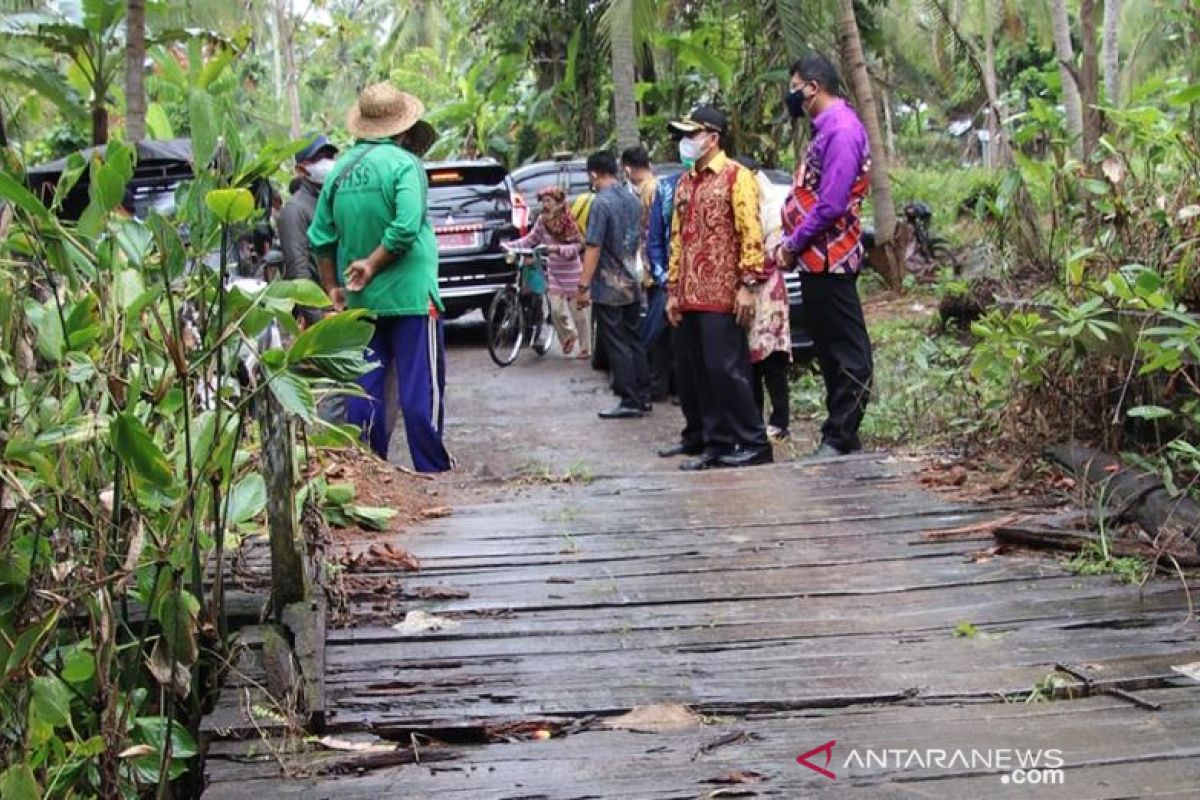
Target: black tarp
{"x": 161, "y": 165}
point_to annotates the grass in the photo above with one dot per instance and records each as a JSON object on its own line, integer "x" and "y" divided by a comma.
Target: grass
{"x": 535, "y": 472}
{"x": 922, "y": 395}
{"x": 1096, "y": 560}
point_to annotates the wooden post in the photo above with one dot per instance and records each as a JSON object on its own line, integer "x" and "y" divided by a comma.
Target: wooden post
{"x": 288, "y": 576}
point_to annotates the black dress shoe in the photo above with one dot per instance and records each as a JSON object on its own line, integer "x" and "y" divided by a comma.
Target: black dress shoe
{"x": 701, "y": 462}
{"x": 647, "y": 407}
{"x": 748, "y": 457}
{"x": 621, "y": 412}
{"x": 678, "y": 450}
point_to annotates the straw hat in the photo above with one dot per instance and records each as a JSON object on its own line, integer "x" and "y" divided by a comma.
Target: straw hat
{"x": 383, "y": 110}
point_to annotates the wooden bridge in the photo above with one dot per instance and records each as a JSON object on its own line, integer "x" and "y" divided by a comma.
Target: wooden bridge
{"x": 652, "y": 634}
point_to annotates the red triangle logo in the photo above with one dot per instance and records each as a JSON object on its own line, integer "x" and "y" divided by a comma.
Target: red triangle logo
{"x": 827, "y": 749}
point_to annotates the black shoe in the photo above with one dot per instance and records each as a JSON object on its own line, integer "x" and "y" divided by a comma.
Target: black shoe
{"x": 701, "y": 462}
{"x": 826, "y": 450}
{"x": 621, "y": 412}
{"x": 647, "y": 407}
{"x": 748, "y": 456}
{"x": 678, "y": 450}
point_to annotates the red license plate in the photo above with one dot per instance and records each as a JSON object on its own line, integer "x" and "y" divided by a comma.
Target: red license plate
{"x": 448, "y": 241}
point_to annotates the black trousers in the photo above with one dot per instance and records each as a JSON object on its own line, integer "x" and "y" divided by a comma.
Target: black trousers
{"x": 617, "y": 327}
{"x": 835, "y": 320}
{"x": 692, "y": 435}
{"x": 716, "y": 384}
{"x": 662, "y": 365}
{"x": 772, "y": 373}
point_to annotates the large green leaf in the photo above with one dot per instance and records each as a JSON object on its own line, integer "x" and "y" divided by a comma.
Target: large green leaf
{"x": 248, "y": 499}
{"x": 303, "y": 291}
{"x": 18, "y": 783}
{"x": 230, "y": 205}
{"x": 134, "y": 446}
{"x": 25, "y": 647}
{"x": 294, "y": 394}
{"x": 169, "y": 243}
{"x": 49, "y": 704}
{"x": 204, "y": 127}
{"x": 177, "y": 615}
{"x": 153, "y": 732}
{"x": 14, "y": 192}
{"x": 50, "y": 342}
{"x": 158, "y": 124}
{"x": 48, "y": 82}
{"x": 335, "y": 345}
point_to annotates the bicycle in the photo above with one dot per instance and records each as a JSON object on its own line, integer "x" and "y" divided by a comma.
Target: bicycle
{"x": 520, "y": 312}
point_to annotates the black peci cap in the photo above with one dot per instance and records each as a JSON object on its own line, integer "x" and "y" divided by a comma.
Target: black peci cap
{"x": 702, "y": 118}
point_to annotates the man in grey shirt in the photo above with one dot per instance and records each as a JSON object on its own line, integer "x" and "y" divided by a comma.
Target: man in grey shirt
{"x": 313, "y": 164}
{"x": 610, "y": 281}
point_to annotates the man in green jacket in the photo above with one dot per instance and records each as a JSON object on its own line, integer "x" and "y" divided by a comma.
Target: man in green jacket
{"x": 376, "y": 250}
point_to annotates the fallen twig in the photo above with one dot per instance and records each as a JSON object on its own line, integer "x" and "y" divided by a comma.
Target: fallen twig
{"x": 987, "y": 526}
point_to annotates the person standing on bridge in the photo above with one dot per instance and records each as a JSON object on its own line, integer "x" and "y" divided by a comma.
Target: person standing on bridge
{"x": 716, "y": 267}
{"x": 376, "y": 250}
{"x": 823, "y": 239}
{"x": 610, "y": 280}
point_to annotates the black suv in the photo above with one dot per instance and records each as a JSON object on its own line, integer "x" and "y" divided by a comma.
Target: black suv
{"x": 472, "y": 208}
{"x": 568, "y": 173}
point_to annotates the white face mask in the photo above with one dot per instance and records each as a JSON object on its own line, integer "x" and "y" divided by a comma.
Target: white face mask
{"x": 691, "y": 150}
{"x": 318, "y": 171}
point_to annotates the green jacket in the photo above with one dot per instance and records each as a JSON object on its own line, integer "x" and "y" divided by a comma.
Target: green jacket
{"x": 383, "y": 201}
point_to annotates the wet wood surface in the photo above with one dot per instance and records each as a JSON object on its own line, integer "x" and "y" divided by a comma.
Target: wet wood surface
{"x": 784, "y": 607}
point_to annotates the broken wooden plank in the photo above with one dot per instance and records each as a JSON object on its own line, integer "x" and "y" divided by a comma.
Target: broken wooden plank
{"x": 1044, "y": 537}
{"x": 306, "y": 623}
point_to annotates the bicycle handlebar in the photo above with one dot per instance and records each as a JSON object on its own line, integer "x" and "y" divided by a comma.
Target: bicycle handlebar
{"x": 527, "y": 251}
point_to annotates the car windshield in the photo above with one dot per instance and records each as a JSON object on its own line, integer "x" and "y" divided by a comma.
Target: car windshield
{"x": 464, "y": 199}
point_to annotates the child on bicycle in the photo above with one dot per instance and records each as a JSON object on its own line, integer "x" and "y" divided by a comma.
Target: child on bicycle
{"x": 557, "y": 231}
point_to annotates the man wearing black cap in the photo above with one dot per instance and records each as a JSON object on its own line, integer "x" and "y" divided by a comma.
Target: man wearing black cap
{"x": 313, "y": 164}
{"x": 717, "y": 265}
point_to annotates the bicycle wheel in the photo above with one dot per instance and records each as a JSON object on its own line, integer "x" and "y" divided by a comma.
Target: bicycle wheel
{"x": 505, "y": 327}
{"x": 541, "y": 332}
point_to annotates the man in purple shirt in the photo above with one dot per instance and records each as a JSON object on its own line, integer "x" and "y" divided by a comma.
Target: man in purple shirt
{"x": 823, "y": 240}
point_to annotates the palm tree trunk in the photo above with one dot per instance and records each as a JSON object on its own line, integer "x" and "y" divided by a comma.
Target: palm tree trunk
{"x": 135, "y": 70}
{"x": 881, "y": 187}
{"x": 623, "y": 75}
{"x": 1066, "y": 67}
{"x": 284, "y": 32}
{"x": 1111, "y": 53}
{"x": 1089, "y": 78}
{"x": 999, "y": 153}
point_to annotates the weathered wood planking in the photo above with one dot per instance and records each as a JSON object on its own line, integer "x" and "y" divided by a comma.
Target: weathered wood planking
{"x": 792, "y": 602}
{"x": 1109, "y": 749}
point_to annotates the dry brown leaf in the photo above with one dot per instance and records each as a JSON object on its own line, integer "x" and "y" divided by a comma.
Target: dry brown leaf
{"x": 655, "y": 719}
{"x": 421, "y": 622}
{"x": 334, "y": 743}
{"x": 739, "y": 776}
{"x": 137, "y": 751}
{"x": 1114, "y": 170}
{"x": 436, "y": 512}
{"x": 442, "y": 593}
{"x": 1191, "y": 670}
